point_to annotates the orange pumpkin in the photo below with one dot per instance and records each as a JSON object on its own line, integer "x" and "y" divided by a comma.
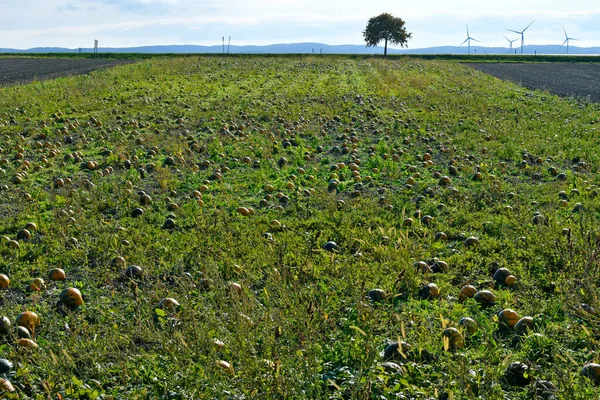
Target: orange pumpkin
{"x": 467, "y": 292}
{"x": 71, "y": 297}
{"x": 508, "y": 317}
{"x": 37, "y": 285}
{"x": 4, "y": 281}
{"x": 57, "y": 274}
{"x": 28, "y": 319}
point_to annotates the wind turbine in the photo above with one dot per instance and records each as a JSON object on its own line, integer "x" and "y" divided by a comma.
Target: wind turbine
{"x": 511, "y": 42}
{"x": 522, "y": 35}
{"x": 567, "y": 38}
{"x": 468, "y": 41}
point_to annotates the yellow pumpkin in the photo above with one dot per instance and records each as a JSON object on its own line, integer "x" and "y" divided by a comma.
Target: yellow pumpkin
{"x": 453, "y": 339}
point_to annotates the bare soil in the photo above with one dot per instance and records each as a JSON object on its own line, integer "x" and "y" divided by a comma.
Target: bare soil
{"x": 24, "y": 70}
{"x": 563, "y": 79}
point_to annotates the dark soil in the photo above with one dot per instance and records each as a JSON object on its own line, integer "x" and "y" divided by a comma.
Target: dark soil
{"x": 24, "y": 70}
{"x": 563, "y": 79}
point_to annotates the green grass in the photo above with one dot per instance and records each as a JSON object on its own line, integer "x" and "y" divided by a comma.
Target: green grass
{"x": 301, "y": 327}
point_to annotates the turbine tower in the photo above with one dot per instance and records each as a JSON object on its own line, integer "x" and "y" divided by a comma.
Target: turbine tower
{"x": 567, "y": 39}
{"x": 522, "y": 35}
{"x": 511, "y": 42}
{"x": 468, "y": 41}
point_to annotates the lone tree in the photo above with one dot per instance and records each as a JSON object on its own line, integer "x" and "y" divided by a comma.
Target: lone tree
{"x": 386, "y": 27}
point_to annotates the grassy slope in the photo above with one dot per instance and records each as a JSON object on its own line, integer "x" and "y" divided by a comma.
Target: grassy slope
{"x": 302, "y": 321}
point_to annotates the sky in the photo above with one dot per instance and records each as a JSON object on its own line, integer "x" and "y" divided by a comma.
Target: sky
{"x": 126, "y": 23}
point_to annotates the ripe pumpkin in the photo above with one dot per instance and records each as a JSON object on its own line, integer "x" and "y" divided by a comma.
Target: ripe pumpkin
{"x": 37, "y": 285}
{"x": 28, "y": 319}
{"x": 27, "y": 343}
{"x": 453, "y": 339}
{"x": 591, "y": 371}
{"x": 510, "y": 281}
{"x": 485, "y": 298}
{"x": 429, "y": 292}
{"x": 471, "y": 241}
{"x": 508, "y": 317}
{"x": 71, "y": 297}
{"x": 467, "y": 292}
{"x": 523, "y": 326}
{"x": 57, "y": 274}
{"x": 6, "y": 386}
{"x": 4, "y": 281}
{"x": 396, "y": 351}
{"x": 168, "y": 304}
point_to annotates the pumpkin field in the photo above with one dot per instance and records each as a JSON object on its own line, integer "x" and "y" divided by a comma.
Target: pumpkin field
{"x": 297, "y": 228}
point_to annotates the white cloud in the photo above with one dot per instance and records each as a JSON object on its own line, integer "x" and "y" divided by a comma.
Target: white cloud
{"x": 72, "y": 23}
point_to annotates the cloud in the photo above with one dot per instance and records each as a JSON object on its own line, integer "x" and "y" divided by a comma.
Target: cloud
{"x": 70, "y": 23}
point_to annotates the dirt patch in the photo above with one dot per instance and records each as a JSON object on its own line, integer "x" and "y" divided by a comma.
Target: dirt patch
{"x": 563, "y": 79}
{"x": 24, "y": 70}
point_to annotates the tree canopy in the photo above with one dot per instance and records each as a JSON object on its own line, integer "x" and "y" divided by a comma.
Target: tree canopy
{"x": 388, "y": 28}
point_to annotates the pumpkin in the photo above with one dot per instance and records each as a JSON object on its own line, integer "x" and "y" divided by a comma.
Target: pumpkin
{"x": 23, "y": 332}
{"x": 429, "y": 292}
{"x": 27, "y": 343}
{"x": 71, "y": 297}
{"x": 134, "y": 271}
{"x": 5, "y": 325}
{"x": 6, "y": 386}
{"x": 467, "y": 292}
{"x": 396, "y": 351}
{"x": 471, "y": 241}
{"x": 523, "y": 326}
{"x": 508, "y": 317}
{"x": 235, "y": 288}
{"x": 453, "y": 339}
{"x": 510, "y": 281}
{"x": 376, "y": 295}
{"x": 57, "y": 274}
{"x": 468, "y": 325}
{"x": 37, "y": 285}
{"x": 28, "y": 319}
{"x": 168, "y": 304}
{"x": 4, "y": 281}
{"x": 5, "y": 366}
{"x": 591, "y": 371}
{"x": 517, "y": 374}
{"x": 422, "y": 266}
{"x": 331, "y": 247}
{"x": 485, "y": 298}
{"x": 500, "y": 275}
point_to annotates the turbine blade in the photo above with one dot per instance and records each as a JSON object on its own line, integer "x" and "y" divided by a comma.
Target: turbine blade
{"x": 566, "y": 41}
{"x": 528, "y": 26}
{"x": 475, "y": 40}
{"x": 514, "y": 31}
{"x": 565, "y": 32}
{"x": 466, "y": 40}
{"x": 467, "y": 30}
{"x": 506, "y": 38}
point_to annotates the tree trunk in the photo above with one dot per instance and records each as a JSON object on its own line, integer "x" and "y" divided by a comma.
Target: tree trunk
{"x": 385, "y": 49}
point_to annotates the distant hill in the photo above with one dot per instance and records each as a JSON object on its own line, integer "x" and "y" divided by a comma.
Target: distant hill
{"x": 316, "y": 48}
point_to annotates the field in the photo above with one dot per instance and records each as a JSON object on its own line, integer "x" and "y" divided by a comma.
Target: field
{"x": 23, "y": 70}
{"x": 564, "y": 79}
{"x": 298, "y": 227}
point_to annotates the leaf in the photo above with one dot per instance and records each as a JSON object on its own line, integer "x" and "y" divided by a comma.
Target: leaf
{"x": 160, "y": 312}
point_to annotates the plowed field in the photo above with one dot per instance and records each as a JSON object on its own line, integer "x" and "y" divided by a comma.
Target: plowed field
{"x": 563, "y": 79}
{"x": 23, "y": 70}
